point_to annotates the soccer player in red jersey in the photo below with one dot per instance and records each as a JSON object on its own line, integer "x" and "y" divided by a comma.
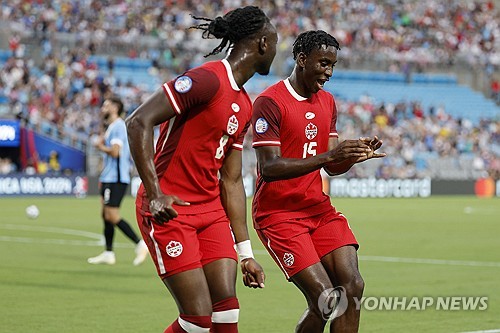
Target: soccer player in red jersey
{"x": 185, "y": 212}
{"x": 295, "y": 136}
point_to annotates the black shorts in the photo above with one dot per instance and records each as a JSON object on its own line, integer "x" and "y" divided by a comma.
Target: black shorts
{"x": 113, "y": 193}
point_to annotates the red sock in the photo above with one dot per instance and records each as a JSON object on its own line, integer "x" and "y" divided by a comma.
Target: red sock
{"x": 174, "y": 328}
{"x": 225, "y": 316}
{"x": 190, "y": 324}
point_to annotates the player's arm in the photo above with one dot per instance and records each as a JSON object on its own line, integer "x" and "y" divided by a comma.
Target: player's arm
{"x": 273, "y": 167}
{"x": 113, "y": 150}
{"x": 234, "y": 201}
{"x": 140, "y": 124}
{"x": 338, "y": 168}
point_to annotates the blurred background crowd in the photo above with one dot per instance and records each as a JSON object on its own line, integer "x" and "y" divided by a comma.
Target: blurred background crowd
{"x": 63, "y": 58}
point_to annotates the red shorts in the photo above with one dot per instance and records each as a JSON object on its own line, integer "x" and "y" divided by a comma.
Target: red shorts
{"x": 188, "y": 241}
{"x": 296, "y": 244}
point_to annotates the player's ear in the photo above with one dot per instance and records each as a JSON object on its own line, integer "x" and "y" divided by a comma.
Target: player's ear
{"x": 263, "y": 44}
{"x": 301, "y": 59}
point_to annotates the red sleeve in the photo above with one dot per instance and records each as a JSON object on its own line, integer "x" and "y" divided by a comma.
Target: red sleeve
{"x": 266, "y": 120}
{"x": 333, "y": 125}
{"x": 238, "y": 143}
{"x": 195, "y": 87}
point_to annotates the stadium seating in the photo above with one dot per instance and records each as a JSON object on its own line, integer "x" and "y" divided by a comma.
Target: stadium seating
{"x": 428, "y": 89}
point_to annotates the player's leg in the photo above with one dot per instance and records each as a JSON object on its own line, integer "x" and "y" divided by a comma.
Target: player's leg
{"x": 314, "y": 283}
{"x": 336, "y": 245}
{"x": 220, "y": 265}
{"x": 291, "y": 247}
{"x": 221, "y": 279}
{"x": 191, "y": 294}
{"x": 112, "y": 203}
{"x": 108, "y": 256}
{"x": 342, "y": 267}
{"x": 175, "y": 251}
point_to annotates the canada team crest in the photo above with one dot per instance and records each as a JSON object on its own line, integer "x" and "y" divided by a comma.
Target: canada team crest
{"x": 232, "y": 125}
{"x": 174, "y": 249}
{"x": 288, "y": 259}
{"x": 311, "y": 131}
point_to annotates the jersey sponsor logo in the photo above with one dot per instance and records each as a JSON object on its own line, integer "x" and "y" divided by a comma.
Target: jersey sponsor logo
{"x": 310, "y": 115}
{"x": 288, "y": 259}
{"x": 183, "y": 84}
{"x": 235, "y": 107}
{"x": 174, "y": 249}
{"x": 311, "y": 131}
{"x": 232, "y": 125}
{"x": 261, "y": 126}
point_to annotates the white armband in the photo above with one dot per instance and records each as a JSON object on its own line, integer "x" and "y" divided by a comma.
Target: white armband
{"x": 244, "y": 250}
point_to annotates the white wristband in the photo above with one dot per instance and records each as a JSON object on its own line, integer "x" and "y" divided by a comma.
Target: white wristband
{"x": 244, "y": 250}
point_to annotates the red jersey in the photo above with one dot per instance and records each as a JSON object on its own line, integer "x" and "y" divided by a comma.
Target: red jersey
{"x": 213, "y": 115}
{"x": 301, "y": 127}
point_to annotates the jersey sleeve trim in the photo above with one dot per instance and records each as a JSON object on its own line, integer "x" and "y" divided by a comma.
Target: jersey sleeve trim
{"x": 266, "y": 143}
{"x": 334, "y": 135}
{"x": 117, "y": 141}
{"x": 237, "y": 146}
{"x": 171, "y": 98}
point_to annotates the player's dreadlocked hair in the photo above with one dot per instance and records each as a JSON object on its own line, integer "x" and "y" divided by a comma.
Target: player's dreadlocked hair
{"x": 314, "y": 39}
{"x": 236, "y": 25}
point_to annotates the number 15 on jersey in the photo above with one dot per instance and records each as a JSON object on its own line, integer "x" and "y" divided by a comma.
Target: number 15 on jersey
{"x": 309, "y": 149}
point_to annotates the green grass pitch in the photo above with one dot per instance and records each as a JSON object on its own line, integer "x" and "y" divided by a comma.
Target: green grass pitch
{"x": 439, "y": 246}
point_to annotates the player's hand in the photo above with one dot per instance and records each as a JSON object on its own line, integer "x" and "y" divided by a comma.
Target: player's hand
{"x": 374, "y": 144}
{"x": 161, "y": 208}
{"x": 351, "y": 150}
{"x": 253, "y": 274}
{"x": 98, "y": 142}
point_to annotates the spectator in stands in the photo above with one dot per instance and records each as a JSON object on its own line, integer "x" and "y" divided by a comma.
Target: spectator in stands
{"x": 458, "y": 32}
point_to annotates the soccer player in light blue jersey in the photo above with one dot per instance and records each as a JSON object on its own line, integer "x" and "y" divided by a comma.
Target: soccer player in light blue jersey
{"x": 114, "y": 181}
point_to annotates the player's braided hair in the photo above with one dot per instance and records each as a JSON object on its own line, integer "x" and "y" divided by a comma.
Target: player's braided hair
{"x": 233, "y": 27}
{"x": 314, "y": 39}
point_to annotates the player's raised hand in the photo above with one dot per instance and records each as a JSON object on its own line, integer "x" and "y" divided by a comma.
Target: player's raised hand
{"x": 253, "y": 273}
{"x": 374, "y": 144}
{"x": 161, "y": 208}
{"x": 351, "y": 150}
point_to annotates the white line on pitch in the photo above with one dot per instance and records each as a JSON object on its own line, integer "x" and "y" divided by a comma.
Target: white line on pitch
{"x": 60, "y": 241}
{"x": 53, "y": 230}
{"x": 431, "y": 261}
{"x": 421, "y": 261}
{"x": 98, "y": 241}
{"x": 487, "y": 331}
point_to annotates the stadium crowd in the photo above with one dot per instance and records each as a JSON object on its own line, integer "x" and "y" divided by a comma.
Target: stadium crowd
{"x": 397, "y": 31}
{"x": 62, "y": 96}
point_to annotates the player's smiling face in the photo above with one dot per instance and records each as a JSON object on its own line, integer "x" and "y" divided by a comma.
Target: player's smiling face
{"x": 319, "y": 67}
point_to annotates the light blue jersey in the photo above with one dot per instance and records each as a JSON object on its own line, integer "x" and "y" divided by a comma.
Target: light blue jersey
{"x": 116, "y": 170}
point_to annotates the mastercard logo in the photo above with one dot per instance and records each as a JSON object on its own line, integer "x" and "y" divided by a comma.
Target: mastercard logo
{"x": 485, "y": 188}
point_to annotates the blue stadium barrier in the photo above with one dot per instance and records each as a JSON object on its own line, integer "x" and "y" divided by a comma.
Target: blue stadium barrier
{"x": 121, "y": 62}
{"x": 4, "y": 55}
{"x": 394, "y": 77}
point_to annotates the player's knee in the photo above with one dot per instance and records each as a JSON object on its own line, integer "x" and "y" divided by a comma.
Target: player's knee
{"x": 226, "y": 311}
{"x": 111, "y": 216}
{"x": 355, "y": 286}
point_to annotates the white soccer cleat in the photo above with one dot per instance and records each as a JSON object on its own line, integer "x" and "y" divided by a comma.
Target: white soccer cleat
{"x": 141, "y": 252}
{"x": 107, "y": 257}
